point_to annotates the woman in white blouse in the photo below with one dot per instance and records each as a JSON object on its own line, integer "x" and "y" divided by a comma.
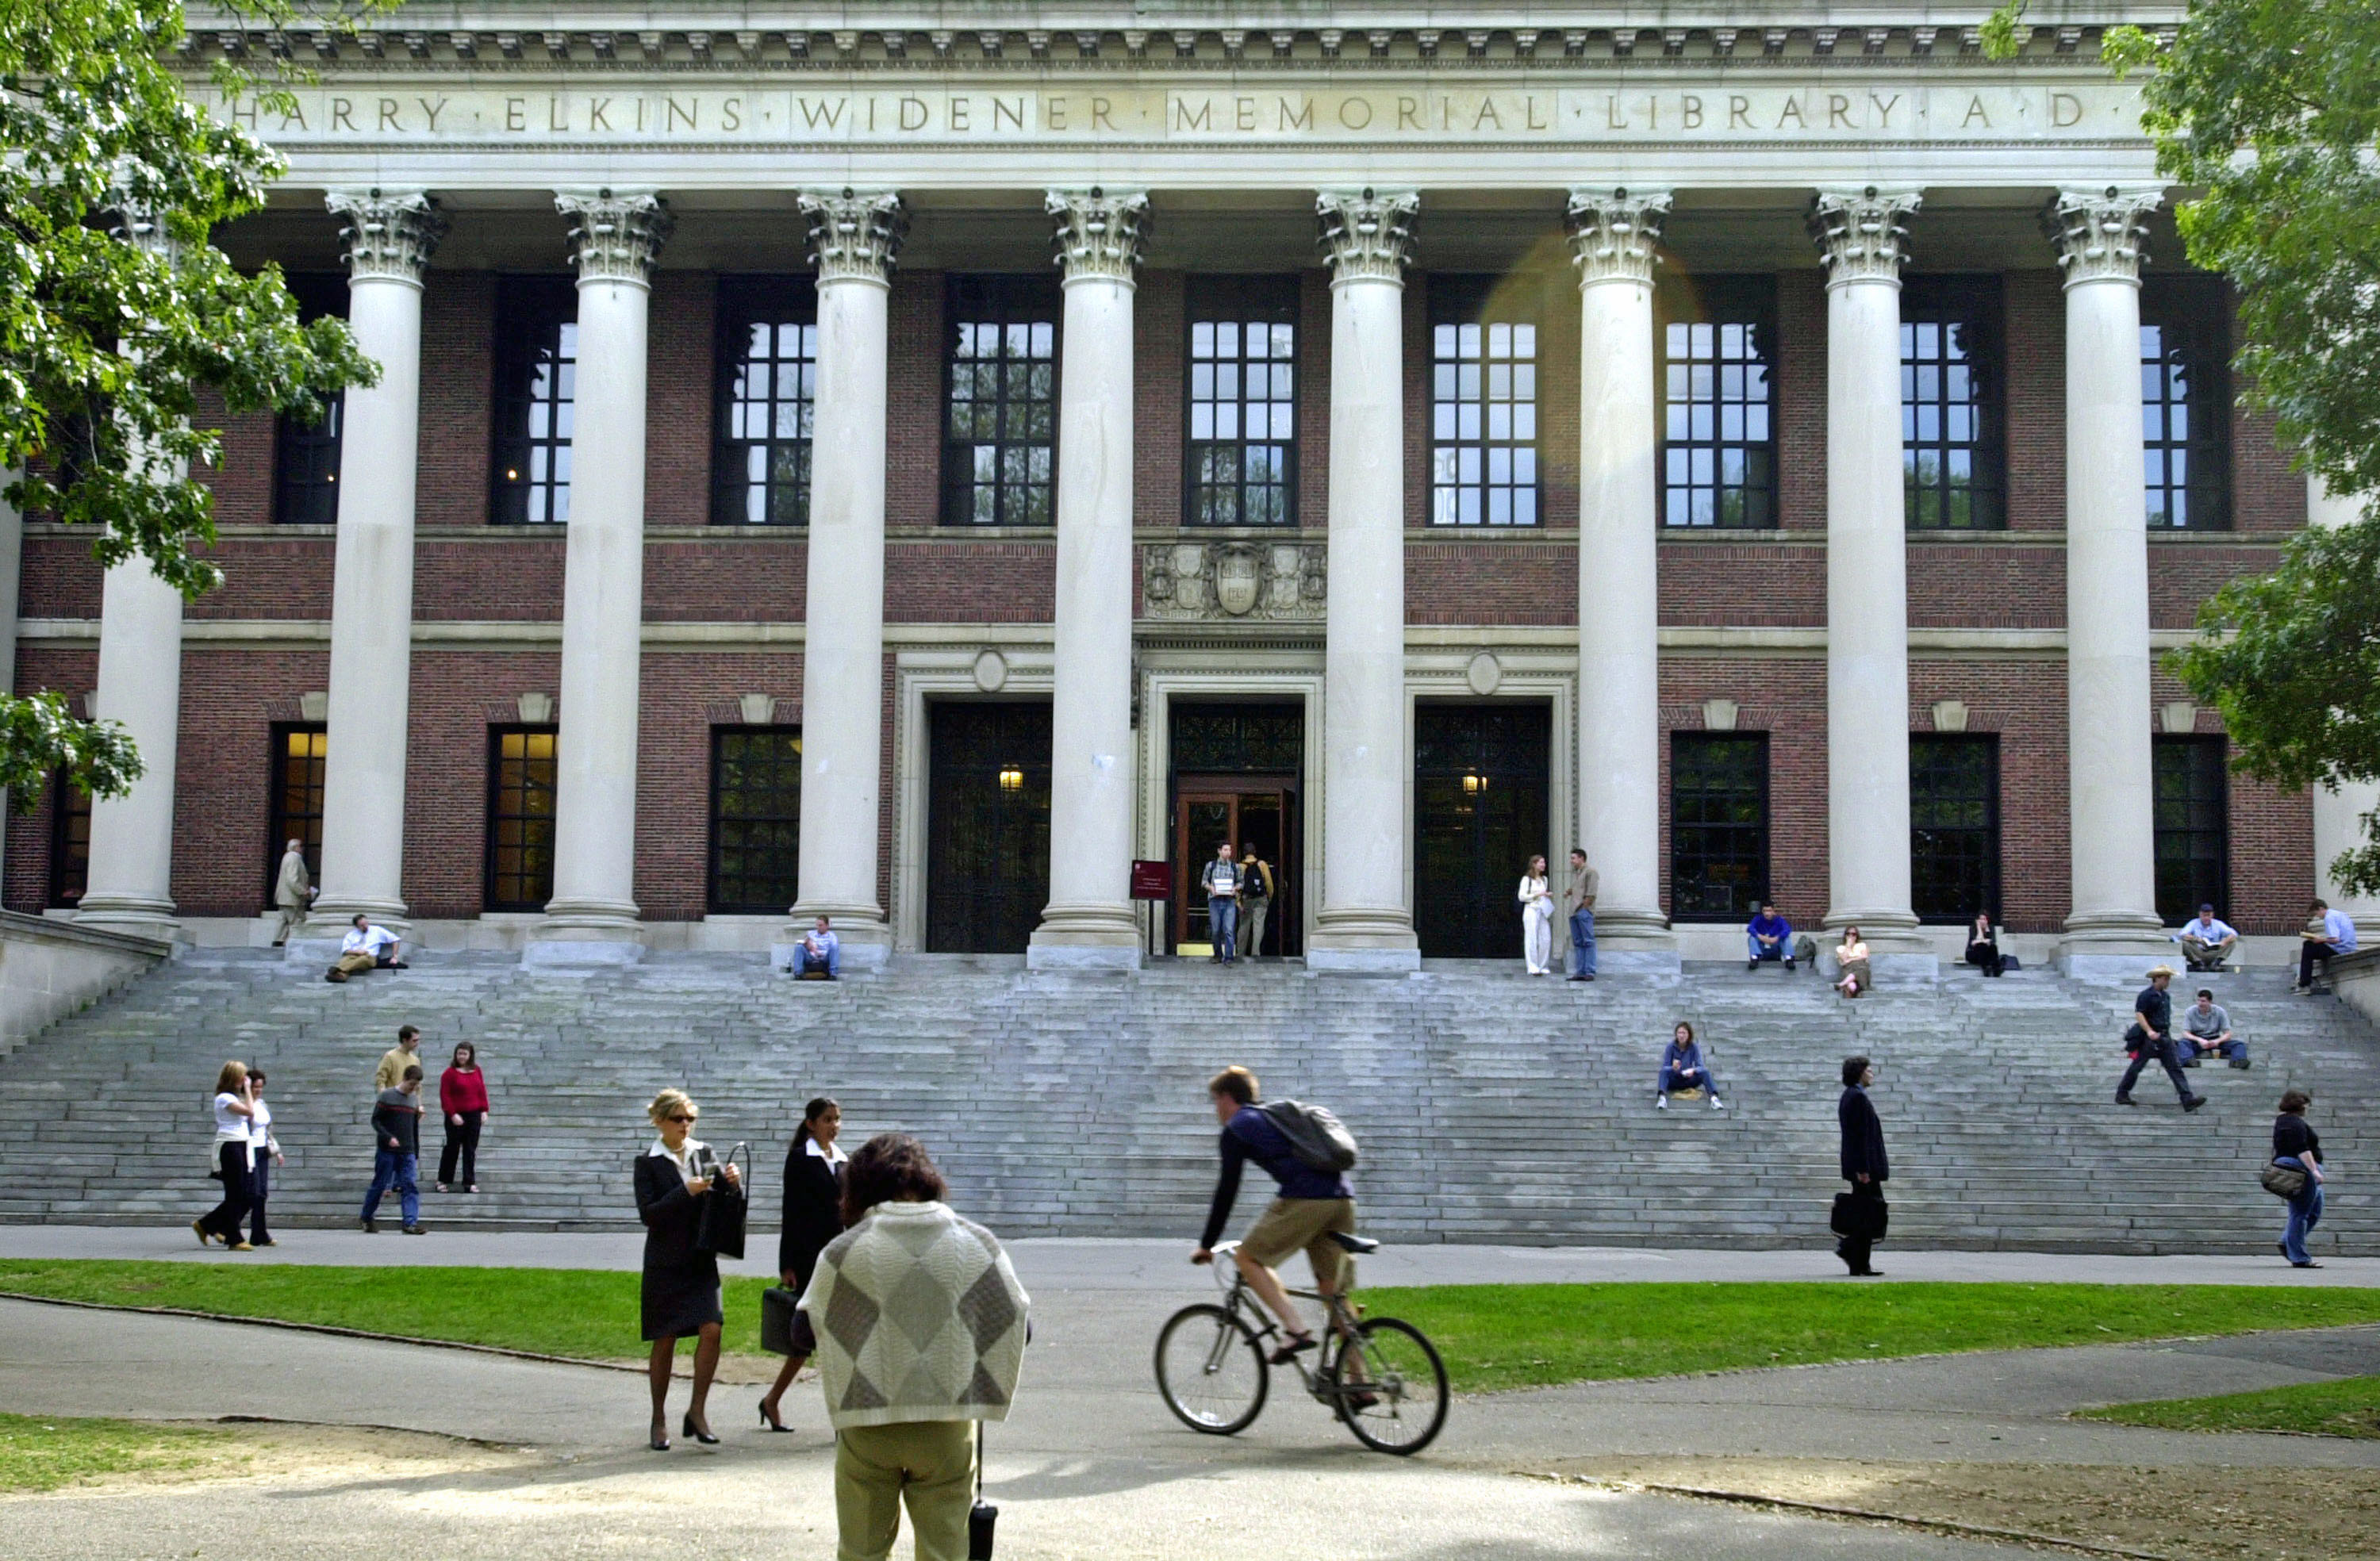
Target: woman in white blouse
{"x": 233, "y": 1108}
{"x": 1537, "y": 918}
{"x": 1850, "y": 964}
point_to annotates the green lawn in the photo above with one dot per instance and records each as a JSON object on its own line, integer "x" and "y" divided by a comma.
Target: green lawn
{"x": 2350, "y": 1407}
{"x": 1492, "y": 1336}
{"x": 39, "y": 1453}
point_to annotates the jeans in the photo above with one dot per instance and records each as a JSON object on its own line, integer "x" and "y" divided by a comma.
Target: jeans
{"x": 804, "y": 962}
{"x": 2305, "y": 1213}
{"x": 1223, "y": 925}
{"x": 1582, "y": 942}
{"x": 2162, "y": 1052}
{"x": 463, "y": 1144}
{"x": 260, "y": 1186}
{"x": 1672, "y": 1081}
{"x": 394, "y": 1168}
{"x": 1755, "y": 950}
{"x": 2233, "y": 1050}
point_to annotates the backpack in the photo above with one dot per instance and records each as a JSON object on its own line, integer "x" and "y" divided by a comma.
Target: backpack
{"x": 1317, "y": 1138}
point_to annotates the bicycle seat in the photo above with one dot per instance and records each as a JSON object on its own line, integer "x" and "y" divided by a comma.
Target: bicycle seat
{"x": 1359, "y": 1245}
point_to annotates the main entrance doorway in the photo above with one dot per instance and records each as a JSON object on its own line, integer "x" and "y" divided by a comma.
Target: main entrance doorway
{"x": 1237, "y": 774}
{"x": 1480, "y": 811}
{"x": 987, "y": 826}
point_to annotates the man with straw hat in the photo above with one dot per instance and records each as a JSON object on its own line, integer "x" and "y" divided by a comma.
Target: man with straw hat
{"x": 2152, "y": 1036}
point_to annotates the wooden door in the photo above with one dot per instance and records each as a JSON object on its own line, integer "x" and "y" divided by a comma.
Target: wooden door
{"x": 1202, "y": 821}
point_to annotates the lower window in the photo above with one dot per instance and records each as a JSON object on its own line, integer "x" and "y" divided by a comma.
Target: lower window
{"x": 756, "y": 818}
{"x": 1954, "y": 827}
{"x": 520, "y": 818}
{"x": 2193, "y": 826}
{"x": 70, "y": 843}
{"x": 298, "y": 753}
{"x": 1718, "y": 825}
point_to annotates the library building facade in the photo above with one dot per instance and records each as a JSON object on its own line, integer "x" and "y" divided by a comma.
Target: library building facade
{"x": 912, "y": 474}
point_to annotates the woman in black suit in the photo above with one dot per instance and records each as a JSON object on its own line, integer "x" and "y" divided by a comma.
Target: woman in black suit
{"x": 1863, "y": 1165}
{"x": 813, "y": 1217}
{"x": 681, "y": 1284}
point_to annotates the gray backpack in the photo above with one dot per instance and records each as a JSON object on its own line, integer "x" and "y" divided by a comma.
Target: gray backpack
{"x": 1316, "y": 1137}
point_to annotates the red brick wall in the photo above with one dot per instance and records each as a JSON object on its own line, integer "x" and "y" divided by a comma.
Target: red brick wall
{"x": 1801, "y": 382}
{"x": 223, "y": 771}
{"x": 966, "y": 580}
{"x": 1314, "y": 400}
{"x": 283, "y": 576}
{"x": 242, "y": 482}
{"x": 681, "y": 697}
{"x": 1158, "y": 353}
{"x": 496, "y": 573}
{"x": 746, "y": 574}
{"x": 913, "y": 419}
{"x": 1463, "y": 577}
{"x": 1954, "y": 584}
{"x": 1744, "y": 584}
{"x": 678, "y": 415}
{"x": 60, "y": 579}
{"x": 2033, "y": 319}
{"x": 1788, "y": 700}
{"x": 457, "y": 695}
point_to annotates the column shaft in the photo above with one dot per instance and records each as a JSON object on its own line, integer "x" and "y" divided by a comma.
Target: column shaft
{"x": 1861, "y": 237}
{"x": 1090, "y": 920}
{"x": 2338, "y": 816}
{"x": 1365, "y": 924}
{"x": 389, "y": 240}
{"x": 131, "y": 875}
{"x": 592, "y": 916}
{"x": 854, "y": 239}
{"x": 1614, "y": 235}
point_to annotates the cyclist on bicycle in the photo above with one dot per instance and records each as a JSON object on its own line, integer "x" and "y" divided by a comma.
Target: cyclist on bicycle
{"x": 1312, "y": 1204}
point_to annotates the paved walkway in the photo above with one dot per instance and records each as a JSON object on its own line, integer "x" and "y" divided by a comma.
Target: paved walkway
{"x": 1062, "y": 1263}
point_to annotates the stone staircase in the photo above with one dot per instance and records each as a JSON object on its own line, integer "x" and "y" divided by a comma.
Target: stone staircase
{"x": 1491, "y": 1107}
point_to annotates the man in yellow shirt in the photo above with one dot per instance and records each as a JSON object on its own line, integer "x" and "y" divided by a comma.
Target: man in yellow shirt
{"x": 405, "y": 1054}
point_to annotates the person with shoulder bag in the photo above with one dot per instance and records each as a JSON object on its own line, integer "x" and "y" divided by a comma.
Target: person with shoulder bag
{"x": 2297, "y": 1147}
{"x": 813, "y": 1217}
{"x": 231, "y": 1154}
{"x": 680, "y": 1286}
{"x": 1860, "y": 1214}
{"x": 1306, "y": 1153}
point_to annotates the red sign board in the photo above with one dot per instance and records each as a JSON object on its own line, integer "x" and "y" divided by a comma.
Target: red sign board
{"x": 1152, "y": 880}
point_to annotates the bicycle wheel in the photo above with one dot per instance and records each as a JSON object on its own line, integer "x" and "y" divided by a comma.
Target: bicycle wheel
{"x": 1210, "y": 1370}
{"x": 1390, "y": 1387}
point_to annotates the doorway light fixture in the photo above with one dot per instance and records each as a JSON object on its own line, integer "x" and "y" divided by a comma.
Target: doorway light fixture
{"x": 1011, "y": 779}
{"x": 1474, "y": 784}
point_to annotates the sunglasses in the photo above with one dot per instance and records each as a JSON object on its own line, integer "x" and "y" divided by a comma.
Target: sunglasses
{"x": 681, "y": 1118}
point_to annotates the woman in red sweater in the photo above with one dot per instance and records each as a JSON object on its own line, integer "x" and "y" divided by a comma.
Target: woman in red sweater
{"x": 463, "y": 1095}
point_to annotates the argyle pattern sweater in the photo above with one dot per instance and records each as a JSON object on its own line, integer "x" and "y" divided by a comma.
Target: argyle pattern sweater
{"x": 919, "y": 1317}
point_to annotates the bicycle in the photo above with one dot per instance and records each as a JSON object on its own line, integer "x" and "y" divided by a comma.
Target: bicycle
{"x": 1380, "y": 1377}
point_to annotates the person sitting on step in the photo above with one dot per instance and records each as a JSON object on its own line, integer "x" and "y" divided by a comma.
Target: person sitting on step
{"x": 367, "y": 947}
{"x": 1851, "y": 977}
{"x": 2207, "y": 941}
{"x": 818, "y": 956}
{"x": 1768, "y": 937}
{"x": 2204, "y": 1028}
{"x": 1683, "y": 1069}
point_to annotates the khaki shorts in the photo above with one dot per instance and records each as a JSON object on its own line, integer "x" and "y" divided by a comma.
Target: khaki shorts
{"x": 1294, "y": 1224}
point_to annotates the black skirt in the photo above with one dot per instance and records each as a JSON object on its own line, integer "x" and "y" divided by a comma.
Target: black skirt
{"x": 681, "y": 1284}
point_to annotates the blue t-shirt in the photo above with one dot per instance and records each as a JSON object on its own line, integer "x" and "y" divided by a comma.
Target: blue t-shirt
{"x": 1250, "y": 1135}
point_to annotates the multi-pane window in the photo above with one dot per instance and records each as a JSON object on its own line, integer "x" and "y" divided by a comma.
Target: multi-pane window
{"x": 1718, "y": 444}
{"x": 1718, "y": 824}
{"x": 520, "y": 818}
{"x": 756, "y": 818}
{"x": 537, "y": 370}
{"x": 298, "y": 755}
{"x": 306, "y": 456}
{"x": 766, "y": 376}
{"x": 1000, "y": 430}
{"x": 70, "y": 842}
{"x": 1482, "y": 405}
{"x": 2186, "y": 402}
{"x": 1954, "y": 827}
{"x": 2193, "y": 829}
{"x": 1242, "y": 457}
{"x": 1952, "y": 440}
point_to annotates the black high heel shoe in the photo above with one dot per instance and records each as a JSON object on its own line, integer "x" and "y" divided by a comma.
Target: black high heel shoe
{"x": 769, "y": 1421}
{"x": 687, "y": 1427}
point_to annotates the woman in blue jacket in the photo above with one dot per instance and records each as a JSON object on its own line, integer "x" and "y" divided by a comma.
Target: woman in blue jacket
{"x": 1681, "y": 1068}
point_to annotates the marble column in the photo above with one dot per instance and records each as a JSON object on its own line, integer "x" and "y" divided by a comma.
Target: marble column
{"x": 1862, "y": 238}
{"x": 1365, "y": 924}
{"x": 2112, "y": 796}
{"x": 131, "y": 876}
{"x": 1091, "y": 922}
{"x": 2338, "y": 816}
{"x": 854, "y": 239}
{"x": 615, "y": 234}
{"x": 389, "y": 237}
{"x": 1613, "y": 235}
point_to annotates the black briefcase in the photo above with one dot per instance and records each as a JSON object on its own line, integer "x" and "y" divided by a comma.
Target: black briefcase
{"x": 1856, "y": 1216}
{"x": 783, "y": 1329}
{"x": 718, "y": 1225}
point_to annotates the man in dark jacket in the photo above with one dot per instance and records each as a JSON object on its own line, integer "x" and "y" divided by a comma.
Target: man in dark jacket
{"x": 1314, "y": 1205}
{"x": 2152, "y": 1036}
{"x": 1863, "y": 1165}
{"x": 397, "y": 1151}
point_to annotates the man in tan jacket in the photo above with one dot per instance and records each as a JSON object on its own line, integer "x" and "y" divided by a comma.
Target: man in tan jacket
{"x": 294, "y": 893}
{"x": 1579, "y": 901}
{"x": 405, "y": 1054}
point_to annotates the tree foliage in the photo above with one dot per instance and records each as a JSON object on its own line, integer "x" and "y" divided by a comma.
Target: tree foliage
{"x": 116, "y": 311}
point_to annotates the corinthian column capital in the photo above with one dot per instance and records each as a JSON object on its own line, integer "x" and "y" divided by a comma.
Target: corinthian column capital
{"x": 1099, "y": 232}
{"x": 1863, "y": 235}
{"x": 1614, "y": 232}
{"x": 387, "y": 234}
{"x": 855, "y": 235}
{"x": 615, "y": 234}
{"x": 133, "y": 221}
{"x": 1367, "y": 233}
{"x": 2098, "y": 233}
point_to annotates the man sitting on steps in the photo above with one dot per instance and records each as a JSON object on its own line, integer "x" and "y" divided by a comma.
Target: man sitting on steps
{"x": 367, "y": 947}
{"x": 1768, "y": 937}
{"x": 2204, "y": 1028}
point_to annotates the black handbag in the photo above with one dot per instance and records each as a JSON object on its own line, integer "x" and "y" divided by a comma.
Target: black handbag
{"x": 983, "y": 1515}
{"x": 784, "y": 1327}
{"x": 1856, "y": 1216}
{"x": 718, "y": 1225}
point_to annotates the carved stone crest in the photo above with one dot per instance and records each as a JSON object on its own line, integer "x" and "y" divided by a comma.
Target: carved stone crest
{"x": 1214, "y": 581}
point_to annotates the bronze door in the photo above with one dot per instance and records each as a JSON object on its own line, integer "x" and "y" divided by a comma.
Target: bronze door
{"x": 1209, "y": 810}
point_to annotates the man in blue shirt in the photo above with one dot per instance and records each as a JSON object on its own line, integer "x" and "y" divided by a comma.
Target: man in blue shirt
{"x": 1768, "y": 937}
{"x": 2208, "y": 941}
{"x": 2336, "y": 935}
{"x": 820, "y": 952}
{"x": 1312, "y": 1205}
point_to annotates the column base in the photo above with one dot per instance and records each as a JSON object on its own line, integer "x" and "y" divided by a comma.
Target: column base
{"x": 1363, "y": 942}
{"x": 584, "y": 935}
{"x": 132, "y": 914}
{"x": 866, "y": 936}
{"x": 2118, "y": 946}
{"x": 1089, "y": 935}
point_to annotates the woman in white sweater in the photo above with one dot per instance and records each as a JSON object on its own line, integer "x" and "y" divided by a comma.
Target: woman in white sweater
{"x": 1537, "y": 917}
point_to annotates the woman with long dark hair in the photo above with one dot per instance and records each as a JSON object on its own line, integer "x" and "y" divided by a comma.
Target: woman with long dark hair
{"x": 1984, "y": 945}
{"x": 814, "y": 1170}
{"x": 463, "y": 1097}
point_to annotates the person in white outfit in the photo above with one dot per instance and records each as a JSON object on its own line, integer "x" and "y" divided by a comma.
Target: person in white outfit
{"x": 1537, "y": 917}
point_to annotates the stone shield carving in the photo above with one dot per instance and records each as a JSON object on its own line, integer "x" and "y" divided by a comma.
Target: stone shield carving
{"x": 1239, "y": 579}
{"x": 1217, "y": 581}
